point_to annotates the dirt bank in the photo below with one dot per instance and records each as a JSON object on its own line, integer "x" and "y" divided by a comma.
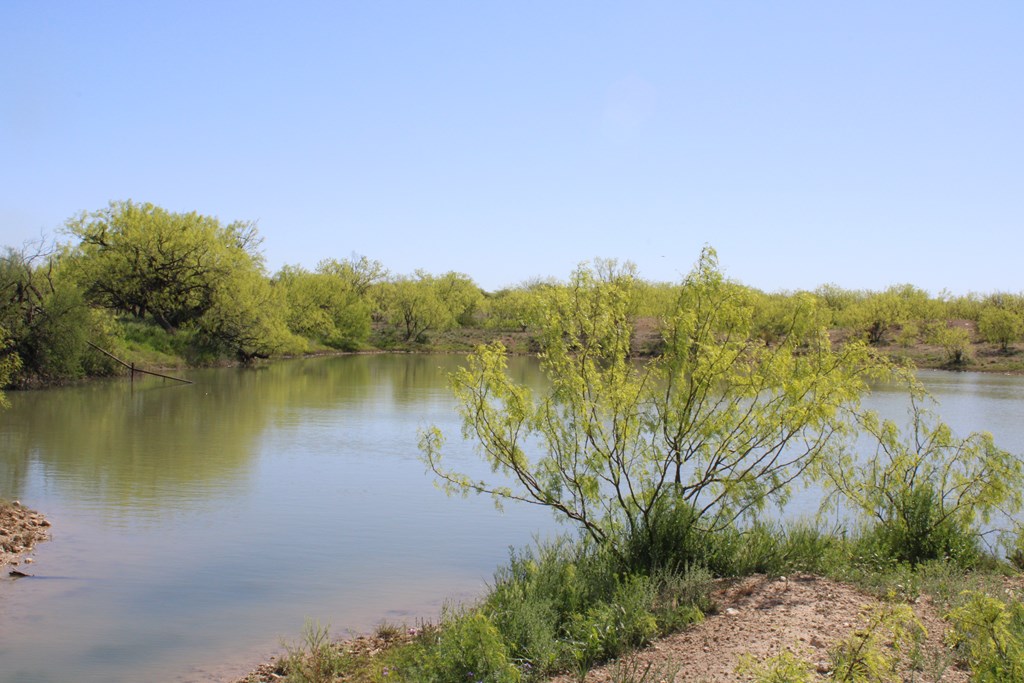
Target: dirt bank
{"x": 762, "y": 617}
{"x": 758, "y": 616}
{"x": 20, "y": 530}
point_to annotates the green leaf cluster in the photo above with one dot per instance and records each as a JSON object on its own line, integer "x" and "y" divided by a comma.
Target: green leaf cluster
{"x": 990, "y": 635}
{"x": 926, "y": 489}
{"x": 871, "y": 653}
{"x": 416, "y": 306}
{"x": 720, "y": 420}
{"x": 46, "y": 317}
{"x": 1001, "y": 326}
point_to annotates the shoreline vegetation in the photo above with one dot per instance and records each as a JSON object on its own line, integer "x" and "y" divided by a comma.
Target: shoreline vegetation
{"x": 741, "y": 394}
{"x": 853, "y": 625}
{"x": 164, "y": 289}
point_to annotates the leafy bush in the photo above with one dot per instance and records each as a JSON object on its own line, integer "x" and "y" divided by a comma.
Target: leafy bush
{"x": 609, "y": 629}
{"x": 563, "y": 604}
{"x": 919, "y": 530}
{"x": 681, "y": 598}
{"x": 467, "y": 648}
{"x": 926, "y": 490}
{"x": 871, "y": 653}
{"x": 1000, "y": 326}
{"x": 1015, "y": 548}
{"x": 990, "y": 637}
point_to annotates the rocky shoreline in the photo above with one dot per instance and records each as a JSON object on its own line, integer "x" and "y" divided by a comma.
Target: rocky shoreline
{"x": 20, "y": 530}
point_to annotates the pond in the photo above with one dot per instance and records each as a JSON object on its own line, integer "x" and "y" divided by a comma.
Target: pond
{"x": 195, "y": 526}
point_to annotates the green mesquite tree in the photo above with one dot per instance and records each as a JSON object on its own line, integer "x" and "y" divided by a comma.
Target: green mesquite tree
{"x": 148, "y": 262}
{"x": 924, "y": 486}
{"x": 720, "y": 420}
{"x": 1000, "y": 326}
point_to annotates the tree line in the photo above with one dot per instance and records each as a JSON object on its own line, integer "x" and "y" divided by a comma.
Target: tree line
{"x": 167, "y": 288}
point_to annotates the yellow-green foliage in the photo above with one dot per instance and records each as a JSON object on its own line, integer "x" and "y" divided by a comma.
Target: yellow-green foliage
{"x": 990, "y": 635}
{"x": 609, "y": 629}
{"x": 468, "y": 648}
{"x": 784, "y": 667}
{"x": 1000, "y": 326}
{"x": 926, "y": 489}
{"x": 324, "y": 306}
{"x": 423, "y": 303}
{"x": 955, "y": 341}
{"x": 871, "y": 653}
{"x": 720, "y": 420}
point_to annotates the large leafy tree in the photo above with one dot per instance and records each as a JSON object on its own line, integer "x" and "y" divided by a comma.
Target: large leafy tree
{"x": 720, "y": 421}
{"x": 155, "y": 264}
{"x": 181, "y": 271}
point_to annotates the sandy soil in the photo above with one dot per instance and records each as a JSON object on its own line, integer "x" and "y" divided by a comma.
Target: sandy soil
{"x": 762, "y": 617}
{"x": 20, "y": 530}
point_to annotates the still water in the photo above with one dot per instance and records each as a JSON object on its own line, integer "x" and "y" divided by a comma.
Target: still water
{"x": 194, "y": 526}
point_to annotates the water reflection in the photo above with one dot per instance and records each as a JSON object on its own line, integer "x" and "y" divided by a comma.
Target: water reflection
{"x": 135, "y": 447}
{"x": 196, "y": 525}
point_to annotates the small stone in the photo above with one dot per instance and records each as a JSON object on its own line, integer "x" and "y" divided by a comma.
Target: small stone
{"x": 823, "y": 667}
{"x": 732, "y": 612}
{"x": 29, "y": 560}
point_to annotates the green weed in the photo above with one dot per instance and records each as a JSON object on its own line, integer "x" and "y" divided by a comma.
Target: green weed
{"x": 632, "y": 670}
{"x": 784, "y": 667}
{"x": 316, "y": 660}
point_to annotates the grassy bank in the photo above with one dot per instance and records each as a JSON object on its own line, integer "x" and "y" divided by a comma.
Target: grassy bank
{"x": 566, "y": 607}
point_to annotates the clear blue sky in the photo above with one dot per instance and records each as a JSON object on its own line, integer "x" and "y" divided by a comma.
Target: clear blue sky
{"x": 860, "y": 143}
